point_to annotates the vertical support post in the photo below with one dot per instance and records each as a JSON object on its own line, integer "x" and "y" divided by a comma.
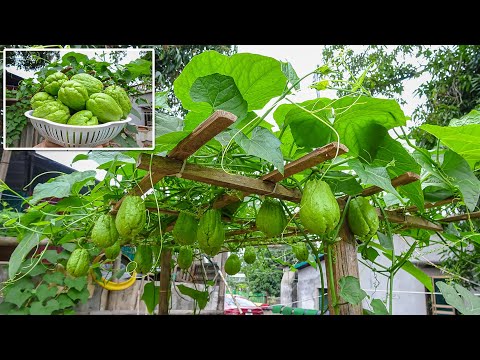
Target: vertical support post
{"x": 345, "y": 263}
{"x": 165, "y": 274}
{"x": 4, "y": 164}
{"x": 221, "y": 284}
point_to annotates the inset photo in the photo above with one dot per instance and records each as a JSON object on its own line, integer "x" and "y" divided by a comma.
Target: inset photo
{"x": 78, "y": 98}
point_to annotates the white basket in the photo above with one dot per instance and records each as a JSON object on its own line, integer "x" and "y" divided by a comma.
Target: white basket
{"x": 77, "y": 136}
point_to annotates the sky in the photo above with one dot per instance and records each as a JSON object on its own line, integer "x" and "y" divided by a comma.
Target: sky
{"x": 304, "y": 59}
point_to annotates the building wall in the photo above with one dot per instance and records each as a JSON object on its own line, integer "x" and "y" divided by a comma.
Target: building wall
{"x": 135, "y": 119}
{"x": 406, "y": 300}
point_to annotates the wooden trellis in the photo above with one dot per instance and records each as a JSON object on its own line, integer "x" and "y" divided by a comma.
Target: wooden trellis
{"x": 174, "y": 164}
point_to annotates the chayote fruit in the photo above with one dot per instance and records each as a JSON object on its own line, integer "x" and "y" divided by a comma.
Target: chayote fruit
{"x": 362, "y": 218}
{"x": 144, "y": 258}
{"x": 83, "y": 118}
{"x": 131, "y": 216}
{"x": 73, "y": 94}
{"x": 54, "y": 111}
{"x": 104, "y": 232}
{"x": 40, "y": 99}
{"x": 233, "y": 264}
{"x": 210, "y": 233}
{"x": 300, "y": 251}
{"x": 319, "y": 210}
{"x": 104, "y": 107}
{"x": 185, "y": 257}
{"x": 78, "y": 263}
{"x": 121, "y": 98}
{"x": 185, "y": 229}
{"x": 53, "y": 82}
{"x": 92, "y": 84}
{"x": 249, "y": 256}
{"x": 271, "y": 219}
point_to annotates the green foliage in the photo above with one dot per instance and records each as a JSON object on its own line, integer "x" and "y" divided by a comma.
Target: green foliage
{"x": 350, "y": 290}
{"x": 460, "y": 298}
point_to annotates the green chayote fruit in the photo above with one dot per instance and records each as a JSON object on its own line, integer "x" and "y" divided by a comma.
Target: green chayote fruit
{"x": 53, "y": 82}
{"x": 233, "y": 264}
{"x": 54, "y": 111}
{"x": 121, "y": 98}
{"x": 249, "y": 256}
{"x": 73, "y": 94}
{"x": 144, "y": 258}
{"x": 104, "y": 232}
{"x": 300, "y": 251}
{"x": 185, "y": 229}
{"x": 319, "y": 210}
{"x": 185, "y": 257}
{"x": 362, "y": 218}
{"x": 131, "y": 216}
{"x": 271, "y": 219}
{"x": 40, "y": 99}
{"x": 104, "y": 107}
{"x": 210, "y": 233}
{"x": 83, "y": 118}
{"x": 92, "y": 84}
{"x": 78, "y": 263}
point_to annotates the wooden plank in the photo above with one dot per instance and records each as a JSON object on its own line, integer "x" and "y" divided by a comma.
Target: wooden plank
{"x": 403, "y": 179}
{"x": 314, "y": 158}
{"x": 410, "y": 221}
{"x": 345, "y": 263}
{"x": 473, "y": 215}
{"x": 4, "y": 164}
{"x": 165, "y": 274}
{"x": 207, "y": 130}
{"x": 221, "y": 285}
{"x": 220, "y": 178}
{"x": 429, "y": 205}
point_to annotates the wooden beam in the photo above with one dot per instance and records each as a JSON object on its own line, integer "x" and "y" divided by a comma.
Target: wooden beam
{"x": 219, "y": 178}
{"x": 473, "y": 215}
{"x": 315, "y": 157}
{"x": 410, "y": 221}
{"x": 344, "y": 263}
{"x": 428, "y": 205}
{"x": 165, "y": 274}
{"x": 207, "y": 130}
{"x": 221, "y": 285}
{"x": 403, "y": 179}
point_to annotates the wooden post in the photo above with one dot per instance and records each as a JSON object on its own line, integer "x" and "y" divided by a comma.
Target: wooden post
{"x": 4, "y": 163}
{"x": 165, "y": 274}
{"x": 221, "y": 284}
{"x": 345, "y": 263}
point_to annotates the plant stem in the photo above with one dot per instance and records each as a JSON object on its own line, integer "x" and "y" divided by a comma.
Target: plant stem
{"x": 332, "y": 288}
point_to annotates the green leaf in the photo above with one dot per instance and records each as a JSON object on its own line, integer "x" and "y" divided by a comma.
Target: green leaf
{"x": 201, "y": 297}
{"x": 221, "y": 93}
{"x": 44, "y": 292}
{"x": 54, "y": 278}
{"x": 37, "y": 308}
{"x": 415, "y": 272}
{"x": 75, "y": 294}
{"x": 371, "y": 254}
{"x": 379, "y": 307}
{"x": 161, "y": 100}
{"x": 79, "y": 58}
{"x": 139, "y": 67}
{"x": 385, "y": 240}
{"x": 5, "y": 308}
{"x": 390, "y": 151}
{"x": 51, "y": 256}
{"x": 64, "y": 301}
{"x": 125, "y": 141}
{"x": 29, "y": 241}
{"x": 264, "y": 145}
{"x": 150, "y": 296}
{"x": 460, "y": 298}
{"x": 341, "y": 182}
{"x": 307, "y": 129}
{"x": 373, "y": 175}
{"x": 18, "y": 293}
{"x": 321, "y": 85}
{"x": 77, "y": 283}
{"x": 291, "y": 75}
{"x": 80, "y": 157}
{"x": 23, "y": 311}
{"x": 165, "y": 124}
{"x": 473, "y": 117}
{"x": 362, "y": 123}
{"x": 457, "y": 168}
{"x": 464, "y": 140}
{"x": 350, "y": 290}
{"x": 61, "y": 186}
{"x": 258, "y": 78}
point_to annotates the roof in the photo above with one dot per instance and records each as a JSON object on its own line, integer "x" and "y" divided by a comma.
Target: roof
{"x": 304, "y": 264}
{"x": 12, "y": 79}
